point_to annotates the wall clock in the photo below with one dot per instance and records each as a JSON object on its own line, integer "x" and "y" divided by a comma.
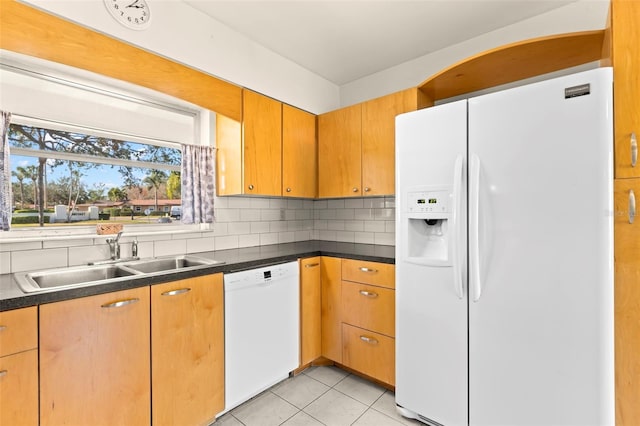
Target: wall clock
{"x": 134, "y": 14}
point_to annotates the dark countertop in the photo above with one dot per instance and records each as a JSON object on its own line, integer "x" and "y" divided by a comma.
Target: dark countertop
{"x": 11, "y": 297}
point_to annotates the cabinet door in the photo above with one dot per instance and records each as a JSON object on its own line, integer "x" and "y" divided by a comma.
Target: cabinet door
{"x": 331, "y": 308}
{"x": 262, "y": 126}
{"x": 299, "y": 153}
{"x": 370, "y": 307}
{"x": 18, "y": 330}
{"x": 625, "y": 26}
{"x": 187, "y": 352}
{"x": 310, "y": 308}
{"x": 627, "y": 303}
{"x": 228, "y": 156}
{"x": 339, "y": 152}
{"x": 19, "y": 389}
{"x": 94, "y": 360}
{"x": 369, "y": 353}
{"x": 378, "y": 140}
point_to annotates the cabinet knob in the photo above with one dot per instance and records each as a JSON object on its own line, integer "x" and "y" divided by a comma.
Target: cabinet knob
{"x": 355, "y": 189}
{"x": 634, "y": 150}
{"x": 288, "y": 189}
{"x": 251, "y": 187}
{"x": 367, "y": 189}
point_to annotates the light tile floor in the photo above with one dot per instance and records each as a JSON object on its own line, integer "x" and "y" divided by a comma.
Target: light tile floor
{"x": 319, "y": 396}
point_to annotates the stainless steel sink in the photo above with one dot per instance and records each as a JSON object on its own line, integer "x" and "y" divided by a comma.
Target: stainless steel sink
{"x": 57, "y": 279}
{"x": 168, "y": 264}
{"x": 81, "y": 276}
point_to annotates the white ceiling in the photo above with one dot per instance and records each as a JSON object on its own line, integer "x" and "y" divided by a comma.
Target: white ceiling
{"x": 343, "y": 41}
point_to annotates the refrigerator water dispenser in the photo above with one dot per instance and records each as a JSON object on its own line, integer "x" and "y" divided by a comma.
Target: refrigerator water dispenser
{"x": 428, "y": 213}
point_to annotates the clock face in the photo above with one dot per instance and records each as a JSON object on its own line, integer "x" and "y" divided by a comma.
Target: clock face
{"x": 134, "y": 14}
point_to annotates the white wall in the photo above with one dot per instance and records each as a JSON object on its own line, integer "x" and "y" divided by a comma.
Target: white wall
{"x": 188, "y": 36}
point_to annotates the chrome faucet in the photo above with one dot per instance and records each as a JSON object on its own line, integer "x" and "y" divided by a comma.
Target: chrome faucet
{"x": 114, "y": 246}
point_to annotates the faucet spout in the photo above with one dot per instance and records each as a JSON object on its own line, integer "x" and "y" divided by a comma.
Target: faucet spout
{"x": 114, "y": 246}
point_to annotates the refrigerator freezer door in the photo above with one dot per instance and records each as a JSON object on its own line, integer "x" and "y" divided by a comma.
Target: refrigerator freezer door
{"x": 541, "y": 320}
{"x": 431, "y": 317}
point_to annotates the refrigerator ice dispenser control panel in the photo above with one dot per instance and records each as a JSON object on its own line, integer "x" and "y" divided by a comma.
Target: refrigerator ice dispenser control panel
{"x": 429, "y": 202}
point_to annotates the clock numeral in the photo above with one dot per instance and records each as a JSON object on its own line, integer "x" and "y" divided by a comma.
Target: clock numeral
{"x": 116, "y": 6}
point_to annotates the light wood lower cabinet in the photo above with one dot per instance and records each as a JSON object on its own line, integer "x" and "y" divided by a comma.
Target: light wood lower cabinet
{"x": 19, "y": 389}
{"x": 369, "y": 307}
{"x": 370, "y": 353}
{"x": 94, "y": 360}
{"x": 627, "y": 306}
{"x": 358, "y": 316}
{"x": 19, "y": 367}
{"x": 331, "y": 308}
{"x": 310, "y": 308}
{"x": 187, "y": 351}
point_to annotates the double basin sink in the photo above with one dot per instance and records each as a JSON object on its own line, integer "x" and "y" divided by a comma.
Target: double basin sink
{"x": 81, "y": 276}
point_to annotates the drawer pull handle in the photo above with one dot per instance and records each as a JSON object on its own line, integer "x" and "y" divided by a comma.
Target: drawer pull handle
{"x": 3, "y": 373}
{"x": 364, "y": 269}
{"x": 634, "y": 150}
{"x": 632, "y": 206}
{"x": 311, "y": 265}
{"x": 2, "y": 327}
{"x": 120, "y": 303}
{"x": 176, "y": 292}
{"x": 368, "y": 293}
{"x": 369, "y": 340}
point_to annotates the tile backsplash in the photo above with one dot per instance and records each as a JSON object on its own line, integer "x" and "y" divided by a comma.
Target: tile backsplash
{"x": 240, "y": 222}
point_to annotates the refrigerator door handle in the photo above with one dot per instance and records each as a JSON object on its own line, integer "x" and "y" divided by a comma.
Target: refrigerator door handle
{"x": 456, "y": 261}
{"x": 474, "y": 226}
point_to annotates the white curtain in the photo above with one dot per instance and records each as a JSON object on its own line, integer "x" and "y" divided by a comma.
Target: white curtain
{"x": 5, "y": 173}
{"x": 198, "y": 177}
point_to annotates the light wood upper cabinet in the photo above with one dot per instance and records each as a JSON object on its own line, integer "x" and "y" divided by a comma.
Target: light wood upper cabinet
{"x": 356, "y": 146}
{"x": 94, "y": 360}
{"x": 378, "y": 140}
{"x": 187, "y": 351}
{"x": 299, "y": 153}
{"x": 625, "y": 57}
{"x": 340, "y": 153}
{"x": 627, "y": 307}
{"x": 262, "y": 135}
{"x": 310, "y": 308}
{"x": 272, "y": 152}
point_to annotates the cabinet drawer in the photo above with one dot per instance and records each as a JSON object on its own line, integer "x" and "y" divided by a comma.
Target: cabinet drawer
{"x": 360, "y": 271}
{"x": 18, "y": 330}
{"x": 369, "y": 307}
{"x": 19, "y": 389}
{"x": 369, "y": 353}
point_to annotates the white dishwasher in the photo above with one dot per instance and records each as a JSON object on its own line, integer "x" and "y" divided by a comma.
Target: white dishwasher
{"x": 262, "y": 329}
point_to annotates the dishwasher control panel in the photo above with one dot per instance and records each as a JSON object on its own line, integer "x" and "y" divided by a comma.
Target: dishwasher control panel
{"x": 262, "y": 275}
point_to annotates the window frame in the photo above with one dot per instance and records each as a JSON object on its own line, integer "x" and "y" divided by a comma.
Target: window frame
{"x": 202, "y": 128}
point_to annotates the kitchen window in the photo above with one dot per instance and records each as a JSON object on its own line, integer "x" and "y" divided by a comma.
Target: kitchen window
{"x": 86, "y": 148}
{"x": 80, "y": 179}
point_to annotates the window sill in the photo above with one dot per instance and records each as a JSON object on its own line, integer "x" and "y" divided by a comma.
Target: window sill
{"x": 61, "y": 234}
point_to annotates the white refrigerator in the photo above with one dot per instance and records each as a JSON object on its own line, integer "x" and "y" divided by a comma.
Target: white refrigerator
{"x": 504, "y": 257}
